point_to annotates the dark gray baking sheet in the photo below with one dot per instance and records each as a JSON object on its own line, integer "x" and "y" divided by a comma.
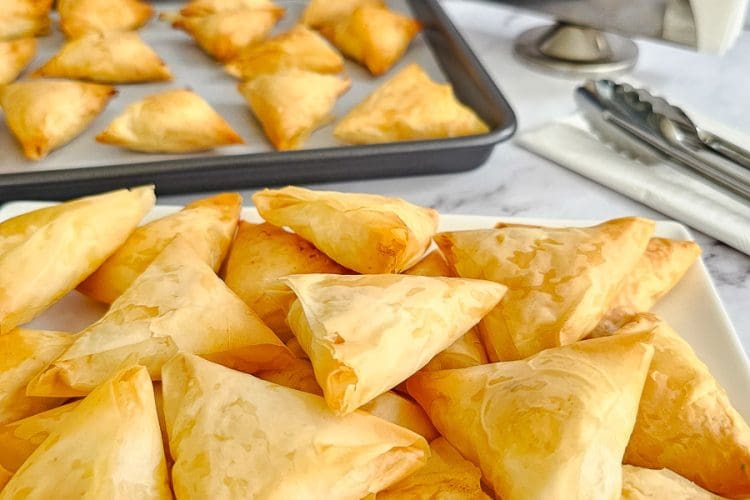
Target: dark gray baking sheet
{"x": 85, "y": 166}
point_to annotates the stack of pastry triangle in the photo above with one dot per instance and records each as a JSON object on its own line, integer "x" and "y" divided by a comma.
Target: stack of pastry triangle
{"x": 223, "y": 35}
{"x": 553, "y": 426}
{"x": 560, "y": 281}
{"x": 177, "y": 303}
{"x": 208, "y": 7}
{"x": 119, "y": 57}
{"x": 410, "y": 319}
{"x": 447, "y": 476}
{"x": 208, "y": 225}
{"x": 298, "y": 48}
{"x": 321, "y": 12}
{"x": 59, "y": 247}
{"x": 15, "y": 55}
{"x": 172, "y": 121}
{"x": 686, "y": 422}
{"x": 25, "y": 353}
{"x": 19, "y": 439}
{"x": 651, "y": 484}
{"x": 44, "y": 115}
{"x": 363, "y": 232}
{"x": 109, "y": 446}
{"x": 409, "y": 107}
{"x": 79, "y": 17}
{"x": 229, "y": 439}
{"x": 661, "y": 267}
{"x": 467, "y": 350}
{"x": 260, "y": 255}
{"x": 373, "y": 35}
{"x": 313, "y": 94}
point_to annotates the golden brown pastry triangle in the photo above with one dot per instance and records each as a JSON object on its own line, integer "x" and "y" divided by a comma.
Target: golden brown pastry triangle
{"x": 409, "y": 320}
{"x": 467, "y": 350}
{"x": 223, "y": 35}
{"x": 109, "y": 446}
{"x": 363, "y": 232}
{"x": 373, "y": 35}
{"x": 59, "y": 247}
{"x": 560, "y": 281}
{"x": 447, "y": 476}
{"x": 19, "y": 439}
{"x": 660, "y": 268}
{"x": 259, "y": 256}
{"x": 79, "y": 17}
{"x": 313, "y": 95}
{"x": 226, "y": 427}
{"x": 322, "y": 12}
{"x": 650, "y": 484}
{"x": 686, "y": 422}
{"x": 24, "y": 18}
{"x": 389, "y": 406}
{"x": 409, "y": 107}
{"x": 23, "y": 355}
{"x": 176, "y": 303}
{"x": 44, "y": 115}
{"x": 15, "y": 55}
{"x": 552, "y": 426}
{"x": 208, "y": 225}
{"x": 172, "y": 121}
{"x": 5, "y": 476}
{"x": 116, "y": 57}
{"x": 299, "y": 48}
{"x": 208, "y": 7}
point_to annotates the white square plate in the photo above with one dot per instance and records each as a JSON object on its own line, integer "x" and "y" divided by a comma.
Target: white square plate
{"x": 693, "y": 308}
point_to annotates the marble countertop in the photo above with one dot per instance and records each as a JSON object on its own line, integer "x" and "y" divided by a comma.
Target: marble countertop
{"x": 515, "y": 182}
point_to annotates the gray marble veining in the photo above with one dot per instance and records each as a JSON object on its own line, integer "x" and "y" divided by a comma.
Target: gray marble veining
{"x": 516, "y": 183}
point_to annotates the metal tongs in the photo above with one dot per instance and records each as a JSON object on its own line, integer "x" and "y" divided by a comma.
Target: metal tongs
{"x": 651, "y": 129}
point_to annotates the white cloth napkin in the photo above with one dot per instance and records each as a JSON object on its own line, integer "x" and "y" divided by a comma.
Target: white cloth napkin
{"x": 665, "y": 188}
{"x": 718, "y": 24}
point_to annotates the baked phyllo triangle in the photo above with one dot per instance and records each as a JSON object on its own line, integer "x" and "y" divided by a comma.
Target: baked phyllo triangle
{"x": 298, "y": 48}
{"x": 660, "y": 268}
{"x": 447, "y": 476}
{"x": 560, "y": 281}
{"x": 45, "y": 253}
{"x": 115, "y": 57}
{"x": 108, "y": 446}
{"x": 25, "y": 354}
{"x": 552, "y": 426}
{"x": 44, "y": 115}
{"x": 292, "y": 103}
{"x": 172, "y": 121}
{"x": 650, "y": 484}
{"x": 15, "y": 55}
{"x": 79, "y": 17}
{"x": 409, "y": 107}
{"x": 259, "y": 256}
{"x": 224, "y": 34}
{"x": 19, "y": 439}
{"x": 389, "y": 406}
{"x": 363, "y": 232}
{"x": 374, "y": 36}
{"x": 236, "y": 436}
{"x": 322, "y": 12}
{"x": 467, "y": 350}
{"x": 409, "y": 320}
{"x": 686, "y": 422}
{"x": 178, "y": 302}
{"x": 207, "y": 225}
{"x": 208, "y": 7}
{"x": 24, "y": 18}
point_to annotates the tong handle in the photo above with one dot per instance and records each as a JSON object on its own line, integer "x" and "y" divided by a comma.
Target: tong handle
{"x": 728, "y": 150}
{"x": 723, "y": 175}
